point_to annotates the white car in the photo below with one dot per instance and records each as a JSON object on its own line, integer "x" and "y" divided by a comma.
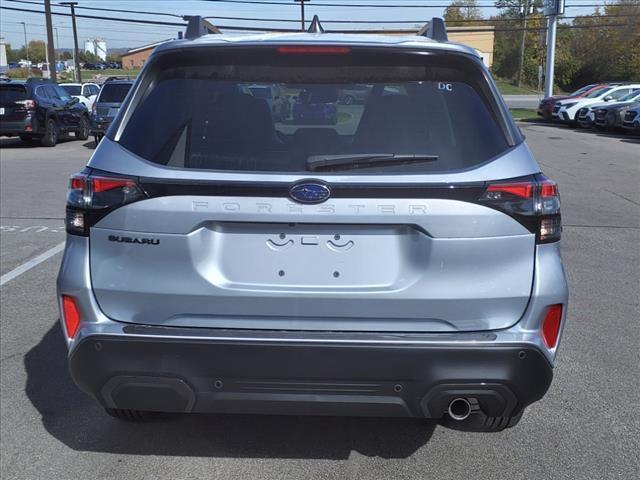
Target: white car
{"x": 85, "y": 92}
{"x": 566, "y": 110}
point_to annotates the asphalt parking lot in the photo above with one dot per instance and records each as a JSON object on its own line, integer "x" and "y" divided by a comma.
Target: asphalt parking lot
{"x": 587, "y": 427}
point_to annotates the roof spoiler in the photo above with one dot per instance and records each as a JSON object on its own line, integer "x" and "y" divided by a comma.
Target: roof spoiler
{"x": 198, "y": 26}
{"x": 435, "y": 30}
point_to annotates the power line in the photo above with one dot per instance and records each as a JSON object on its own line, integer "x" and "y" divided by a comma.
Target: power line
{"x": 266, "y": 29}
{"x": 392, "y": 5}
{"x": 96, "y": 17}
{"x": 102, "y": 9}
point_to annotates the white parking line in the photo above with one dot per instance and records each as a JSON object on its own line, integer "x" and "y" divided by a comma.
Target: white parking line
{"x": 7, "y": 277}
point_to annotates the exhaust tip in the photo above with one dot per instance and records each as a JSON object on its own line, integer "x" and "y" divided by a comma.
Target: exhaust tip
{"x": 459, "y": 409}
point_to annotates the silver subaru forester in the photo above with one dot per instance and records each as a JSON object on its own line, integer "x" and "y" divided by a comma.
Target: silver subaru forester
{"x": 397, "y": 256}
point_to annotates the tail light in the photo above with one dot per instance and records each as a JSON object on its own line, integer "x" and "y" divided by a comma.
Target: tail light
{"x": 71, "y": 315}
{"x": 534, "y": 202}
{"x": 28, "y": 104}
{"x": 92, "y": 196}
{"x": 550, "y": 328}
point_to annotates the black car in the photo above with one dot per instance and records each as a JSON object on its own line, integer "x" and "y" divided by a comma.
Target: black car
{"x": 107, "y": 105}
{"x": 42, "y": 110}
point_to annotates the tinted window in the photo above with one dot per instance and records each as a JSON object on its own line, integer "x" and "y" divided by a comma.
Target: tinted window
{"x": 49, "y": 92}
{"x": 62, "y": 93}
{"x": 210, "y": 117}
{"x": 12, "y": 93}
{"x": 599, "y": 92}
{"x": 620, "y": 93}
{"x": 114, "y": 92}
{"x": 72, "y": 89}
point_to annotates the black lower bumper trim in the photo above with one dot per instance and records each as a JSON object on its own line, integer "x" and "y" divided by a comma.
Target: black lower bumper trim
{"x": 198, "y": 375}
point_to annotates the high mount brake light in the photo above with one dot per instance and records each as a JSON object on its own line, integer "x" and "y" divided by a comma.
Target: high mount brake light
{"x": 313, "y": 50}
{"x": 91, "y": 197}
{"x": 534, "y": 202}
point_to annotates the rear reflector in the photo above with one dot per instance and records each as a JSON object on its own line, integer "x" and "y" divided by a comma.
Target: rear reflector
{"x": 71, "y": 315}
{"x": 313, "y": 50}
{"x": 551, "y": 325}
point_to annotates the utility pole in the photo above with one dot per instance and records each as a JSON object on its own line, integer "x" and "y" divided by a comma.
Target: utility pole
{"x": 26, "y": 44}
{"x": 57, "y": 43}
{"x": 525, "y": 9}
{"x": 76, "y": 59}
{"x": 302, "y": 2}
{"x": 552, "y": 8}
{"x": 51, "y": 49}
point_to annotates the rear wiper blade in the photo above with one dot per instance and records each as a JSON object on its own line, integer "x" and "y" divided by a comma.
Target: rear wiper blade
{"x": 364, "y": 160}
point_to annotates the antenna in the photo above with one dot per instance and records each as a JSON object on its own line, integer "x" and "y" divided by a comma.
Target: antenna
{"x": 315, "y": 26}
{"x": 435, "y": 30}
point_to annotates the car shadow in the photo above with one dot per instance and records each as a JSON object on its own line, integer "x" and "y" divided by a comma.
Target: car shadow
{"x": 76, "y": 420}
{"x": 91, "y": 144}
{"x": 15, "y": 142}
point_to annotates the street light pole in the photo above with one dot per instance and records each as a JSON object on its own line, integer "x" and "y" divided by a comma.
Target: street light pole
{"x": 552, "y": 8}
{"x": 51, "y": 50}
{"x": 26, "y": 44}
{"x": 76, "y": 59}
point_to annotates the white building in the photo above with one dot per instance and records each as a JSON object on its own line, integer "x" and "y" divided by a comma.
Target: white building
{"x": 96, "y": 46}
{"x": 3, "y": 56}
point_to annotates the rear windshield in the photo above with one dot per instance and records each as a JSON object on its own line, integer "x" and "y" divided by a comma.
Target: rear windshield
{"x": 114, "y": 92}
{"x": 10, "y": 94}
{"x": 276, "y": 117}
{"x": 72, "y": 89}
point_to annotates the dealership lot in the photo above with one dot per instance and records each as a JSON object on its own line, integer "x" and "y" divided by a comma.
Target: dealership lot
{"x": 586, "y": 427}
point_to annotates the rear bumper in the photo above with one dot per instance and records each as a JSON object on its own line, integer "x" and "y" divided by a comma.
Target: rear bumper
{"x": 18, "y": 127}
{"x": 100, "y": 127}
{"x": 168, "y": 369}
{"x": 188, "y": 369}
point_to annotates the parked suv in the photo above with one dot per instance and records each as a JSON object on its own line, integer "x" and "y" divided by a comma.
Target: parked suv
{"x": 40, "y": 110}
{"x": 107, "y": 105}
{"x": 404, "y": 262}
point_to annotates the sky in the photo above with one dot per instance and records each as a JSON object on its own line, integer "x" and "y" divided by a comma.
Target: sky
{"x": 127, "y": 35}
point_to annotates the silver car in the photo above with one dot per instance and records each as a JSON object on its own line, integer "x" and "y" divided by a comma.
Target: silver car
{"x": 403, "y": 262}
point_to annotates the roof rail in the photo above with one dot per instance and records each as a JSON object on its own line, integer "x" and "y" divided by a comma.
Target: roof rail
{"x": 316, "y": 26}
{"x": 435, "y": 30}
{"x": 198, "y": 27}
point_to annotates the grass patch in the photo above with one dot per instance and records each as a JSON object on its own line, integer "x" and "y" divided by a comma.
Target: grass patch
{"x": 507, "y": 89}
{"x": 523, "y": 114}
{"x": 87, "y": 74}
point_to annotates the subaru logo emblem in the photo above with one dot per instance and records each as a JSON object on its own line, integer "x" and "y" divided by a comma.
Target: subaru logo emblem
{"x": 309, "y": 192}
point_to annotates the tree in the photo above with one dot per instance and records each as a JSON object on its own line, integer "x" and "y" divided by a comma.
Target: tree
{"x": 461, "y": 10}
{"x": 113, "y": 57}
{"x": 508, "y": 44}
{"x": 37, "y": 51}
{"x": 12, "y": 55}
{"x": 88, "y": 57}
{"x": 66, "y": 55}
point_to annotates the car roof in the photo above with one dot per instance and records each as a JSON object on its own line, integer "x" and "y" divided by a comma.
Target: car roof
{"x": 302, "y": 38}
